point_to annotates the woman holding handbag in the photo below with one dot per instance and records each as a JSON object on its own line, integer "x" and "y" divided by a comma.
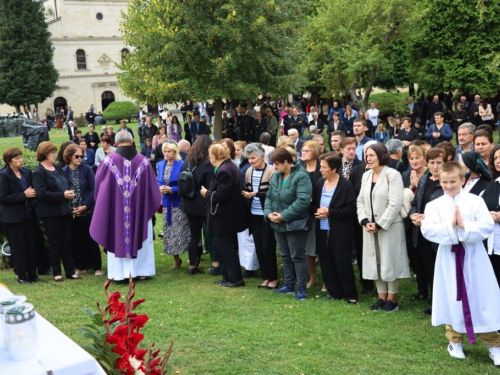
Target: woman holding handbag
{"x": 287, "y": 208}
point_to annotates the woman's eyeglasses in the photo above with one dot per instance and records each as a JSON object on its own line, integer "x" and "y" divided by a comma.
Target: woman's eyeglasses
{"x": 78, "y": 156}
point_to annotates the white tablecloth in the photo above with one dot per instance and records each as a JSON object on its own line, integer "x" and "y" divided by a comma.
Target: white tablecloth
{"x": 57, "y": 353}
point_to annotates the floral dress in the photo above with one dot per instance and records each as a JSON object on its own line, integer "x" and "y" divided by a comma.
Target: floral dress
{"x": 176, "y": 237}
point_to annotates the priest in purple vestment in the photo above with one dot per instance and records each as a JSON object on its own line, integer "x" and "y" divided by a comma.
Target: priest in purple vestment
{"x": 127, "y": 197}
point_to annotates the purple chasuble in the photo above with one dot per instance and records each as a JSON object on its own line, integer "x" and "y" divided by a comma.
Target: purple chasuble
{"x": 126, "y": 198}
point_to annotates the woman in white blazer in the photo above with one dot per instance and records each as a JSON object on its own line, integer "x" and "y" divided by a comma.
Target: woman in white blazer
{"x": 379, "y": 202}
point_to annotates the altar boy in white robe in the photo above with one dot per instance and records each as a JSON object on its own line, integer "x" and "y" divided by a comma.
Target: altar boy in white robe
{"x": 466, "y": 296}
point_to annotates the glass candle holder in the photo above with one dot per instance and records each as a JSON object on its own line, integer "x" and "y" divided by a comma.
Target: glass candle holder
{"x": 4, "y": 303}
{"x": 21, "y": 334}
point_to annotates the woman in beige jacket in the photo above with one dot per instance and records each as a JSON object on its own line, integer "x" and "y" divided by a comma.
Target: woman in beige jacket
{"x": 379, "y": 202}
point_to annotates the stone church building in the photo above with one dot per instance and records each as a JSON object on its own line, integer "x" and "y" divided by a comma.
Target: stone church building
{"x": 87, "y": 42}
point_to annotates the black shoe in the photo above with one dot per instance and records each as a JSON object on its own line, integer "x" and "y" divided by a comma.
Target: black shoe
{"x": 228, "y": 284}
{"x": 249, "y": 275}
{"x": 205, "y": 252}
{"x": 23, "y": 281}
{"x": 45, "y": 273}
{"x": 194, "y": 271}
{"x": 390, "y": 306}
{"x": 427, "y": 311}
{"x": 329, "y": 296}
{"x": 351, "y": 302}
{"x": 366, "y": 291}
{"x": 272, "y": 287}
{"x": 160, "y": 235}
{"x": 377, "y": 305}
{"x": 215, "y": 271}
{"x": 220, "y": 282}
{"x": 418, "y": 297}
{"x": 36, "y": 280}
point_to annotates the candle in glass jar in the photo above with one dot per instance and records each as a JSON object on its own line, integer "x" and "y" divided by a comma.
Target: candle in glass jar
{"x": 21, "y": 334}
{"x": 4, "y": 303}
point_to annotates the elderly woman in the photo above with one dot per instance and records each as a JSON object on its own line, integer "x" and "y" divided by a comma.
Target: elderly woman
{"x": 287, "y": 208}
{"x": 111, "y": 134}
{"x": 195, "y": 207}
{"x": 428, "y": 189}
{"x": 225, "y": 204}
{"x": 17, "y": 198}
{"x": 476, "y": 179}
{"x": 349, "y": 159}
{"x": 85, "y": 249}
{"x": 105, "y": 149}
{"x": 175, "y": 223}
{"x": 311, "y": 152}
{"x": 384, "y": 245}
{"x": 92, "y": 138}
{"x": 334, "y": 206}
{"x": 55, "y": 206}
{"x": 257, "y": 180}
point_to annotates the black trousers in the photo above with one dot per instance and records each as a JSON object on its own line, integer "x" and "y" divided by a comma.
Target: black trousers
{"x": 265, "y": 247}
{"x": 227, "y": 246}
{"x": 358, "y": 243}
{"x": 58, "y": 231}
{"x": 42, "y": 254}
{"x": 337, "y": 271}
{"x": 273, "y": 139}
{"x": 22, "y": 243}
{"x": 85, "y": 250}
{"x": 425, "y": 260}
{"x": 495, "y": 262}
{"x": 195, "y": 226}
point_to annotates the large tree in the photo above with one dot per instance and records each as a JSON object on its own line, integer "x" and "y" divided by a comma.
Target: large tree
{"x": 351, "y": 42}
{"x": 457, "y": 46}
{"x": 27, "y": 73}
{"x": 211, "y": 50}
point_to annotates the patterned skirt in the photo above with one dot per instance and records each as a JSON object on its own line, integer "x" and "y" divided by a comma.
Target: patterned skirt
{"x": 176, "y": 237}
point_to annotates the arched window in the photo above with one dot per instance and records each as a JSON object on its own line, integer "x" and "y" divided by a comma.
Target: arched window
{"x": 50, "y": 13}
{"x": 81, "y": 60}
{"x": 125, "y": 52}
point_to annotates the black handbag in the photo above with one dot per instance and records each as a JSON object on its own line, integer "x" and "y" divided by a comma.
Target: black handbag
{"x": 299, "y": 224}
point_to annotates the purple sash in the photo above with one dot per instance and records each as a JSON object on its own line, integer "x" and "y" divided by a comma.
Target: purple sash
{"x": 459, "y": 251}
{"x": 127, "y": 184}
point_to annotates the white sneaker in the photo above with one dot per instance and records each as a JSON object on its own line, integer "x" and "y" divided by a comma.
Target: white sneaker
{"x": 456, "y": 350}
{"x": 495, "y": 355}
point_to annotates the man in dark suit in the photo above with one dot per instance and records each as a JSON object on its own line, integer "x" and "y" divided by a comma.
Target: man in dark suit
{"x": 474, "y": 111}
{"x": 140, "y": 114}
{"x": 148, "y": 131}
{"x": 184, "y": 147}
{"x": 69, "y": 114}
{"x": 287, "y": 120}
{"x": 259, "y": 126}
{"x": 297, "y": 122}
{"x": 294, "y": 136}
{"x": 197, "y": 127}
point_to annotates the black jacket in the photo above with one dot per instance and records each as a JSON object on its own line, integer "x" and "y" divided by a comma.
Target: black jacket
{"x": 202, "y": 175}
{"x": 226, "y": 205}
{"x": 397, "y": 165}
{"x": 416, "y": 205}
{"x": 479, "y": 186}
{"x": 51, "y": 201}
{"x": 341, "y": 213}
{"x": 12, "y": 198}
{"x": 87, "y": 184}
{"x": 357, "y": 176}
{"x": 319, "y": 124}
{"x": 146, "y": 132}
{"x": 258, "y": 128}
{"x": 462, "y": 115}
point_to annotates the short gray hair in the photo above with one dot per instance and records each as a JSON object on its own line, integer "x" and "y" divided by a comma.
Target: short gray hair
{"x": 184, "y": 145}
{"x": 123, "y": 137}
{"x": 394, "y": 145}
{"x": 70, "y": 122}
{"x": 254, "y": 147}
{"x": 292, "y": 131}
{"x": 469, "y": 126}
{"x": 313, "y": 128}
{"x": 265, "y": 138}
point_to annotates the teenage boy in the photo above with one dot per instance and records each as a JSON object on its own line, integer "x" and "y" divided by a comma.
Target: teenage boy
{"x": 466, "y": 296}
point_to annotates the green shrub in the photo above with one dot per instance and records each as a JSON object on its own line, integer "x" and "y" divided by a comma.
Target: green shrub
{"x": 390, "y": 104}
{"x": 120, "y": 110}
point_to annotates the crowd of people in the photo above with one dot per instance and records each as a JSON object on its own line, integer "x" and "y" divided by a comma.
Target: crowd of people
{"x": 403, "y": 203}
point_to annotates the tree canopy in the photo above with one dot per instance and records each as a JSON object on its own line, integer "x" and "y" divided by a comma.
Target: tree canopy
{"x": 27, "y": 72}
{"x": 210, "y": 49}
{"x": 457, "y": 46}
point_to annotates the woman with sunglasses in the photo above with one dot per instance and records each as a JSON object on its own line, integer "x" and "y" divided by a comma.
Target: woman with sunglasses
{"x": 55, "y": 195}
{"x": 85, "y": 249}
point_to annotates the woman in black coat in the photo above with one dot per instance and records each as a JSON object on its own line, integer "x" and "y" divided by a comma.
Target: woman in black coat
{"x": 334, "y": 206}
{"x": 460, "y": 116}
{"x": 226, "y": 216}
{"x": 196, "y": 208}
{"x": 17, "y": 199}
{"x": 85, "y": 249}
{"x": 55, "y": 195}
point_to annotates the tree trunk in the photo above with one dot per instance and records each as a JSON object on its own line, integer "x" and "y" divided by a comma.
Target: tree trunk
{"x": 18, "y": 108}
{"x": 353, "y": 89}
{"x": 369, "y": 89}
{"x": 218, "y": 119}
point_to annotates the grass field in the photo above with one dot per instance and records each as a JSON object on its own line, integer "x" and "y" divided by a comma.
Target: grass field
{"x": 253, "y": 331}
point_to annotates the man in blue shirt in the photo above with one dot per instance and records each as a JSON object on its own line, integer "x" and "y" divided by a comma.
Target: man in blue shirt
{"x": 359, "y": 128}
{"x": 197, "y": 127}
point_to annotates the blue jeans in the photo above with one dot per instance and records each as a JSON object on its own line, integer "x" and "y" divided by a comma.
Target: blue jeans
{"x": 292, "y": 248}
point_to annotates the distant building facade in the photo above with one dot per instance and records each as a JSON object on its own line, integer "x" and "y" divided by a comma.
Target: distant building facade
{"x": 87, "y": 42}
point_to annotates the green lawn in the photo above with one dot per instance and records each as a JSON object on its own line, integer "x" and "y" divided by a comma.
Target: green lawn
{"x": 254, "y": 331}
